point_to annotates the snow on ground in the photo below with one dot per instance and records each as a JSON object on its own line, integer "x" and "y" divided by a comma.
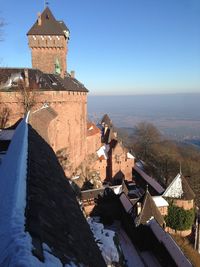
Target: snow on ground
{"x": 104, "y": 240}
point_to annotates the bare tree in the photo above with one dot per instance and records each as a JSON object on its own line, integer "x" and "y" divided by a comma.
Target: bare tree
{"x": 4, "y": 117}
{"x": 27, "y": 97}
{"x": 146, "y": 134}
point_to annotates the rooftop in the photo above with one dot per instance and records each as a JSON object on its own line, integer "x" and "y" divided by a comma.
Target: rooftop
{"x": 37, "y": 80}
{"x": 46, "y": 24}
{"x": 42, "y": 224}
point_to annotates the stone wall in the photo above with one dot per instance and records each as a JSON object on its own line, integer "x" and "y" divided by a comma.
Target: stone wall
{"x": 93, "y": 143}
{"x": 68, "y": 130}
{"x": 100, "y": 166}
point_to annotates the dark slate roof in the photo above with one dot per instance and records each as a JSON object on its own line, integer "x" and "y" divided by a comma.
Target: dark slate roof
{"x": 142, "y": 178}
{"x": 188, "y": 193}
{"x": 52, "y": 212}
{"x": 149, "y": 210}
{"x": 38, "y": 81}
{"x": 49, "y": 26}
{"x": 105, "y": 119}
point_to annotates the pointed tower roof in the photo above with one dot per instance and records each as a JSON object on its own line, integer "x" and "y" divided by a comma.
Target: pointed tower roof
{"x": 46, "y": 24}
{"x": 106, "y": 120}
{"x": 148, "y": 210}
{"x": 179, "y": 188}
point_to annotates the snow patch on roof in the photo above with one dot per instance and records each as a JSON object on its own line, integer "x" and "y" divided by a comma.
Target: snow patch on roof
{"x": 130, "y": 156}
{"x": 175, "y": 189}
{"x": 105, "y": 241}
{"x": 16, "y": 244}
{"x": 103, "y": 151}
{"x": 160, "y": 201}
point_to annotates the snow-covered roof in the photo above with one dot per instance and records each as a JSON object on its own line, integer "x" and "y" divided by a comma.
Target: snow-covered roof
{"x": 175, "y": 189}
{"x": 105, "y": 240}
{"x": 15, "y": 243}
{"x": 103, "y": 151}
{"x": 160, "y": 201}
{"x": 40, "y": 221}
{"x": 130, "y": 156}
{"x": 171, "y": 246}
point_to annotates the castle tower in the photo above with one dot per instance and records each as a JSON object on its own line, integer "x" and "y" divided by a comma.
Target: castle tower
{"x": 48, "y": 40}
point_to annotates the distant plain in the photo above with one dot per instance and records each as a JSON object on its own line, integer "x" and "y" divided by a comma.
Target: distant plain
{"x": 177, "y": 116}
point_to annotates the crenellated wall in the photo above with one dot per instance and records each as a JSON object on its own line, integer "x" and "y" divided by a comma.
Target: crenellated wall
{"x": 46, "y": 50}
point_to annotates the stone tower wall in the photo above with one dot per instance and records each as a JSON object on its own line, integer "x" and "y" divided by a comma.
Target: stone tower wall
{"x": 68, "y": 130}
{"x": 45, "y": 50}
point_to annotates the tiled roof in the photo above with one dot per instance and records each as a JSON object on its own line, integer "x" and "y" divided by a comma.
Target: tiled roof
{"x": 49, "y": 25}
{"x": 149, "y": 210}
{"x": 53, "y": 214}
{"x": 38, "y": 80}
{"x": 92, "y": 129}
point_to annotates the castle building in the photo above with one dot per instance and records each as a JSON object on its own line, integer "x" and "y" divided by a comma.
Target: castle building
{"x": 114, "y": 163}
{"x": 180, "y": 193}
{"x": 49, "y": 84}
{"x": 64, "y": 125}
{"x": 48, "y": 41}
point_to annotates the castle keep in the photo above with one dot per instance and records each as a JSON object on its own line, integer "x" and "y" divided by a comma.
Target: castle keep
{"x": 48, "y": 40}
{"x": 48, "y": 84}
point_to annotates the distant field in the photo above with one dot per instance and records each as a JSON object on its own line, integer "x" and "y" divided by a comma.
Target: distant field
{"x": 177, "y": 116}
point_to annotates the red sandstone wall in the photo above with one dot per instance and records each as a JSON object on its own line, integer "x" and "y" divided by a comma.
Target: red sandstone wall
{"x": 120, "y": 162}
{"x": 100, "y": 166}
{"x": 68, "y": 129}
{"x": 93, "y": 143}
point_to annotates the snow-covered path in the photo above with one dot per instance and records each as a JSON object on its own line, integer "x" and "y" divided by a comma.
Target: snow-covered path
{"x": 130, "y": 253}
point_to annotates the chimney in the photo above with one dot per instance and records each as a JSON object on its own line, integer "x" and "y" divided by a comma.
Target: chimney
{"x": 72, "y": 74}
{"x": 39, "y": 21}
{"x": 26, "y": 78}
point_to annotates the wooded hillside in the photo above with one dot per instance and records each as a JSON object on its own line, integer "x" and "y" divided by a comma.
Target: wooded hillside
{"x": 163, "y": 159}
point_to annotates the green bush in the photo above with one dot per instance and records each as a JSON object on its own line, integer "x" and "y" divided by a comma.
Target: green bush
{"x": 179, "y": 219}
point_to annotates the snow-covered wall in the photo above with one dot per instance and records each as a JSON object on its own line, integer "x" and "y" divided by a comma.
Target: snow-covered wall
{"x": 15, "y": 243}
{"x": 13, "y": 196}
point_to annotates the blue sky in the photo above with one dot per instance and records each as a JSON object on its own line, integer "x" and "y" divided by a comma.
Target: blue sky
{"x": 117, "y": 46}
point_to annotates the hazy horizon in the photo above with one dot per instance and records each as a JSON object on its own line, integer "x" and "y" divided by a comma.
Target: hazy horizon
{"x": 177, "y": 115}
